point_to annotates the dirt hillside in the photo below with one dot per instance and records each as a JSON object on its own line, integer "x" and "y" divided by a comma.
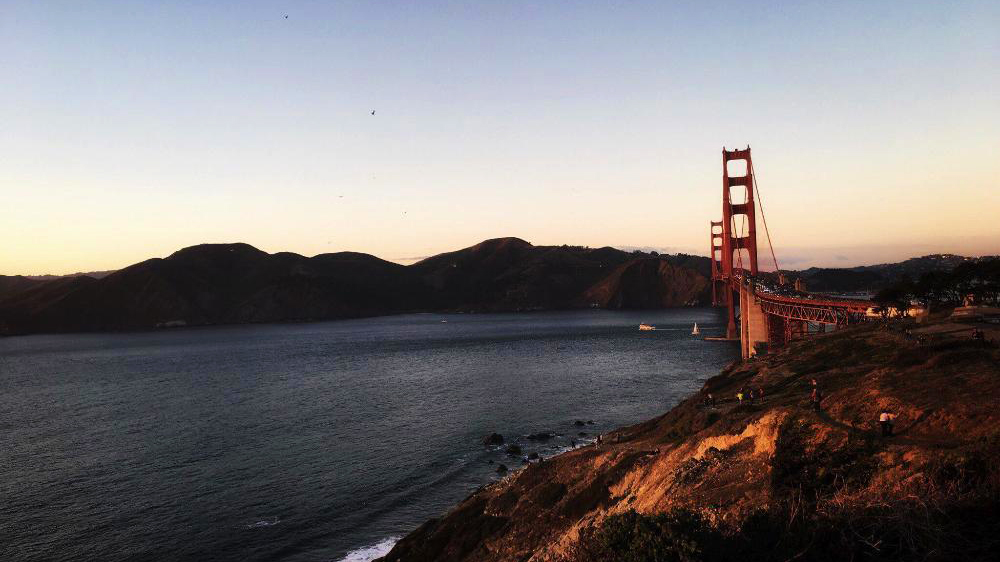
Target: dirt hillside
{"x": 772, "y": 479}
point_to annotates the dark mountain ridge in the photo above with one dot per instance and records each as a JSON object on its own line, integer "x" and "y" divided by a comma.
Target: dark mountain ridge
{"x": 237, "y": 283}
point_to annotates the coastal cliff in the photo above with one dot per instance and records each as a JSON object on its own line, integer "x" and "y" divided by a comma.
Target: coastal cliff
{"x": 772, "y": 479}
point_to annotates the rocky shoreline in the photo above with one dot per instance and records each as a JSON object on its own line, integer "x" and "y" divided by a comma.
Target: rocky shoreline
{"x": 716, "y": 478}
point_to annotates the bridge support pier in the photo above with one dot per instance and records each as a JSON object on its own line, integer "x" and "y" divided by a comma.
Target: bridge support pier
{"x": 753, "y": 324}
{"x": 781, "y": 330}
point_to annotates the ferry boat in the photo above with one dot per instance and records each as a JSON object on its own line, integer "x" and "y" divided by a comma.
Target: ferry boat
{"x": 646, "y": 327}
{"x": 695, "y": 331}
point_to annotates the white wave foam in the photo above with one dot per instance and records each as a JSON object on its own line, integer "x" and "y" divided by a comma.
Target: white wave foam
{"x": 369, "y": 553}
{"x": 264, "y": 523}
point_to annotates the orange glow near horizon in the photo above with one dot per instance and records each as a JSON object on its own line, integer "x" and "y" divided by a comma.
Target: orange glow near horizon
{"x": 129, "y": 134}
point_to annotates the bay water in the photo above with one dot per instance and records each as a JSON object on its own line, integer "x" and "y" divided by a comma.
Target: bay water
{"x": 309, "y": 442}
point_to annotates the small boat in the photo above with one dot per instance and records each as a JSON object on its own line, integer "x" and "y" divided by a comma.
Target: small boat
{"x": 646, "y": 327}
{"x": 695, "y": 331}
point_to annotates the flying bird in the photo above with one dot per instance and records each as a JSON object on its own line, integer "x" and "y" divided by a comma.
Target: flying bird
{"x": 286, "y": 16}
{"x": 373, "y": 112}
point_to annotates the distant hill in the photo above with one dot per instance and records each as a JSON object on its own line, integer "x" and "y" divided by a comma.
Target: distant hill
{"x": 237, "y": 283}
{"x": 94, "y": 274}
{"x": 874, "y": 277}
{"x": 13, "y": 283}
{"x": 10, "y": 284}
{"x": 511, "y": 274}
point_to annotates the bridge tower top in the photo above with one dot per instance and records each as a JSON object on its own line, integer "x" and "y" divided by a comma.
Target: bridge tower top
{"x": 739, "y": 225}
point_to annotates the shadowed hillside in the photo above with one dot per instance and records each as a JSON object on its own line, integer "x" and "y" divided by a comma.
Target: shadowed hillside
{"x": 648, "y": 283}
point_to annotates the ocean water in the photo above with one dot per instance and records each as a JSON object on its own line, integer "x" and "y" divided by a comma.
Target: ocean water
{"x": 305, "y": 442}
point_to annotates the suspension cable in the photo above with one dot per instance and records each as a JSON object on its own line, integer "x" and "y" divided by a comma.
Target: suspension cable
{"x": 764, "y": 218}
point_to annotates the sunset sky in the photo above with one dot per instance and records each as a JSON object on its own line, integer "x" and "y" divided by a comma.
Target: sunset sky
{"x": 132, "y": 129}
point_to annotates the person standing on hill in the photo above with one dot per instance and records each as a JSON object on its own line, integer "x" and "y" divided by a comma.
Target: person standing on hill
{"x": 816, "y": 398}
{"x": 885, "y": 420}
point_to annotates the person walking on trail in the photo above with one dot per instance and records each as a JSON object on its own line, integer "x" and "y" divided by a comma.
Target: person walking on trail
{"x": 750, "y": 396}
{"x": 739, "y": 396}
{"x": 885, "y": 420}
{"x": 760, "y": 394}
{"x": 816, "y": 398}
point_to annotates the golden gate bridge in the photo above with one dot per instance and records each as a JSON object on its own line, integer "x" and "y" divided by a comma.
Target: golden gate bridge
{"x": 771, "y": 312}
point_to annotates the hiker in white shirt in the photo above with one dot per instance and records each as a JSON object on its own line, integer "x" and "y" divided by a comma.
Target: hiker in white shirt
{"x": 885, "y": 420}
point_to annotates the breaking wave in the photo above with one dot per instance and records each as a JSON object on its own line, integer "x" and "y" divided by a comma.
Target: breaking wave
{"x": 369, "y": 553}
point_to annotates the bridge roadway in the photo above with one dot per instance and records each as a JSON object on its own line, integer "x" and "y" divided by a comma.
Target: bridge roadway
{"x": 806, "y": 307}
{"x": 771, "y": 315}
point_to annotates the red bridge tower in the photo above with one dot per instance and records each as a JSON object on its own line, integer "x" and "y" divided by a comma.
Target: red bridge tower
{"x": 737, "y": 237}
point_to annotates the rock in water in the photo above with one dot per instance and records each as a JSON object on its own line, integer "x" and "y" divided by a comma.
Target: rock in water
{"x": 502, "y": 469}
{"x": 543, "y": 436}
{"x": 493, "y": 439}
{"x": 579, "y": 423}
{"x": 513, "y": 450}
{"x": 532, "y": 456}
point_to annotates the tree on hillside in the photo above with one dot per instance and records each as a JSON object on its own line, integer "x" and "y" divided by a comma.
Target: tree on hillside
{"x": 896, "y": 296}
{"x": 978, "y": 278}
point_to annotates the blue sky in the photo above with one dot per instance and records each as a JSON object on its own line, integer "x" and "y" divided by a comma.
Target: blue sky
{"x": 132, "y": 129}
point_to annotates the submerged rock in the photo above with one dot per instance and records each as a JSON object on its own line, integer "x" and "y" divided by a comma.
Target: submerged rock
{"x": 501, "y": 469}
{"x": 579, "y": 423}
{"x": 532, "y": 456}
{"x": 513, "y": 449}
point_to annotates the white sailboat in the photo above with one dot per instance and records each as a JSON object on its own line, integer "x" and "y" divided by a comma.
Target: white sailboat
{"x": 695, "y": 331}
